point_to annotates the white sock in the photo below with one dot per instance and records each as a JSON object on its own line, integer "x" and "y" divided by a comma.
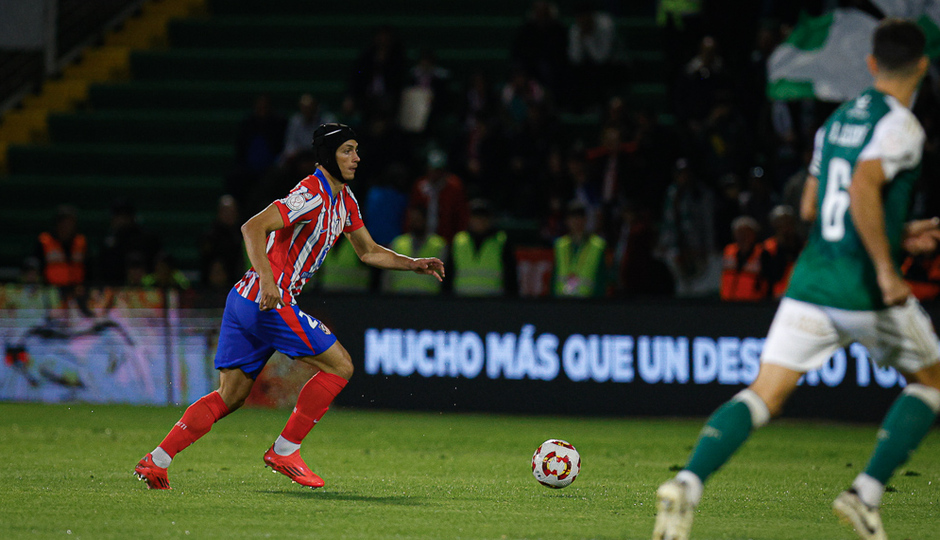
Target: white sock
{"x": 869, "y": 490}
{"x": 283, "y": 447}
{"x": 696, "y": 487}
{"x": 161, "y": 458}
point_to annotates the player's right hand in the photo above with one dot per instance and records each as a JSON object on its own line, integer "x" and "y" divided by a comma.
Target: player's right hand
{"x": 894, "y": 290}
{"x": 269, "y": 297}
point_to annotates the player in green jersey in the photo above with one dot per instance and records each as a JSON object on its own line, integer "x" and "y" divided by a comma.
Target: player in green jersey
{"x": 846, "y": 287}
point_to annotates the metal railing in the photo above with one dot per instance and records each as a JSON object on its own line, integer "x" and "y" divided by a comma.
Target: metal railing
{"x": 68, "y": 27}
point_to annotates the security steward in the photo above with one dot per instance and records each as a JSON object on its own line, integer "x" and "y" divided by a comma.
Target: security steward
{"x": 481, "y": 257}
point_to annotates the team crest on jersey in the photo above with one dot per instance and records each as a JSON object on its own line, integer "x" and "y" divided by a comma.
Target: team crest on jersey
{"x": 296, "y": 201}
{"x": 325, "y": 329}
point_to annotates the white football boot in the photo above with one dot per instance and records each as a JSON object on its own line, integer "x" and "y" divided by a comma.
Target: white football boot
{"x": 673, "y": 511}
{"x": 865, "y": 519}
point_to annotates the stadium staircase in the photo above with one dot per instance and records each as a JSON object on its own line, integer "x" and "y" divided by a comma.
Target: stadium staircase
{"x": 152, "y": 114}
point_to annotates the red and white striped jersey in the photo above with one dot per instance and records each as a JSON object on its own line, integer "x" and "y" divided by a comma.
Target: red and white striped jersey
{"x": 313, "y": 221}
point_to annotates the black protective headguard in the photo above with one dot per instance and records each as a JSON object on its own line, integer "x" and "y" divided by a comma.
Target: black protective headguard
{"x": 326, "y": 140}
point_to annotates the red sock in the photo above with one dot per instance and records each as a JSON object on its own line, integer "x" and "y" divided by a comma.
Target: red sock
{"x": 312, "y": 403}
{"x": 196, "y": 422}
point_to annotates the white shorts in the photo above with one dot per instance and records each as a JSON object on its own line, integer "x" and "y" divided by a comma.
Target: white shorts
{"x": 803, "y": 336}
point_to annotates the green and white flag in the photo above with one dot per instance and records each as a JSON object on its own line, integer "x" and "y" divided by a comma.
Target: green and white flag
{"x": 824, "y": 57}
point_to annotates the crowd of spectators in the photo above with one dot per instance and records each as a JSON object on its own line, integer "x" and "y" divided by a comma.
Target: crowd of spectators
{"x": 700, "y": 198}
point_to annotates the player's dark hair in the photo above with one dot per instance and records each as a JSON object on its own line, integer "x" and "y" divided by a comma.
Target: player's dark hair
{"x": 897, "y": 45}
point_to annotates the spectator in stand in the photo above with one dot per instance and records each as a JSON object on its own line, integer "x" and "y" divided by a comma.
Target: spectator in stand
{"x": 480, "y": 101}
{"x": 687, "y": 236}
{"x": 125, "y": 237}
{"x": 442, "y": 195}
{"x": 703, "y": 78}
{"x": 482, "y": 258}
{"x": 593, "y": 51}
{"x": 222, "y": 243}
{"x": 417, "y": 242}
{"x": 434, "y": 80}
{"x": 528, "y": 150}
{"x": 259, "y": 142}
{"x": 349, "y": 112}
{"x": 385, "y": 204}
{"x": 481, "y": 156}
{"x": 742, "y": 279}
{"x": 681, "y": 21}
{"x": 613, "y": 169}
{"x": 301, "y": 125}
{"x": 725, "y": 140}
{"x": 386, "y": 144}
{"x": 580, "y": 258}
{"x": 539, "y": 46}
{"x": 781, "y": 250}
{"x": 727, "y": 207}
{"x": 378, "y": 74}
{"x": 639, "y": 272}
{"x": 63, "y": 252}
{"x": 584, "y": 190}
{"x": 519, "y": 94}
{"x": 166, "y": 275}
{"x": 759, "y": 199}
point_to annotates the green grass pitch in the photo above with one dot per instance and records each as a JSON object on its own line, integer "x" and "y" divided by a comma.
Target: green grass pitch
{"x": 67, "y": 473}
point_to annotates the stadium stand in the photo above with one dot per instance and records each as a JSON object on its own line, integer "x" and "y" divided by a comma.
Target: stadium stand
{"x": 152, "y": 114}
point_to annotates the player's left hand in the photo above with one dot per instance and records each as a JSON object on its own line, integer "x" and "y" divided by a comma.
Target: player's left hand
{"x": 431, "y": 266}
{"x": 921, "y": 236}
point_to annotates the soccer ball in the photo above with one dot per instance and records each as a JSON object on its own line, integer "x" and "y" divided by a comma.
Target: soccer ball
{"x": 556, "y": 463}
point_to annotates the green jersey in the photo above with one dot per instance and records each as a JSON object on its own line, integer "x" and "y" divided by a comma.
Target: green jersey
{"x": 834, "y": 268}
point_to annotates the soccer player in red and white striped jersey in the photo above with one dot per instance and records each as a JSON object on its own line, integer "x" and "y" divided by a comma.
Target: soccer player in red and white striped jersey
{"x": 286, "y": 243}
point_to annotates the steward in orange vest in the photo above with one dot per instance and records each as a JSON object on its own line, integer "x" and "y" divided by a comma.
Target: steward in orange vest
{"x": 923, "y": 275}
{"x": 62, "y": 253}
{"x": 741, "y": 279}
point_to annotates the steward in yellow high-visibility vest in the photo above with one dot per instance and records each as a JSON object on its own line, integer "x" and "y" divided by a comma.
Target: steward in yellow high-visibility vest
{"x": 480, "y": 256}
{"x": 580, "y": 270}
{"x": 420, "y": 247}
{"x": 342, "y": 270}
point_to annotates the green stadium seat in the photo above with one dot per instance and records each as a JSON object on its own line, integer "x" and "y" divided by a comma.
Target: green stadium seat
{"x": 96, "y": 191}
{"x": 370, "y": 9}
{"x": 146, "y": 126}
{"x": 120, "y": 159}
{"x": 188, "y": 95}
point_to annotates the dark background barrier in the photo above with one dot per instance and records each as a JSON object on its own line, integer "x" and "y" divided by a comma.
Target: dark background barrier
{"x": 557, "y": 357}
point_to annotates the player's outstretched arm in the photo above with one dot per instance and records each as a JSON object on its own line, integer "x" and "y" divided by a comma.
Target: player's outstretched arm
{"x": 381, "y": 257}
{"x": 255, "y": 231}
{"x": 867, "y": 209}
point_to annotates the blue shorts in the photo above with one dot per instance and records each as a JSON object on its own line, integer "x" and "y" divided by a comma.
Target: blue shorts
{"x": 249, "y": 336}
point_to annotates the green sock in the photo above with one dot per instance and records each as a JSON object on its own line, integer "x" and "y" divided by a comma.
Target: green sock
{"x": 906, "y": 424}
{"x": 723, "y": 434}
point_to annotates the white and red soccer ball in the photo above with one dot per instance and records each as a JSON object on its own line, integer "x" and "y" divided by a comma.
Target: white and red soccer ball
{"x": 556, "y": 463}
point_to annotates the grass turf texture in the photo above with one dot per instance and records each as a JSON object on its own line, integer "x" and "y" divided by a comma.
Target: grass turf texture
{"x": 67, "y": 473}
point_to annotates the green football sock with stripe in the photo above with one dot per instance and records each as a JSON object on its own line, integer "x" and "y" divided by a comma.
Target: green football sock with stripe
{"x": 906, "y": 424}
{"x": 725, "y": 432}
